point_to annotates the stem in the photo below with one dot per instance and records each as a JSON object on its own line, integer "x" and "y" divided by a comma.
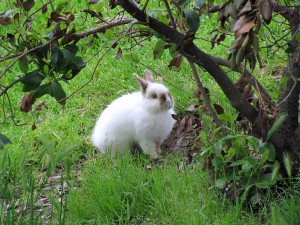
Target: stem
{"x": 205, "y": 98}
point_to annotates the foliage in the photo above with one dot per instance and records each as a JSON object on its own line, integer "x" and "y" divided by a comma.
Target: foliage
{"x": 244, "y": 166}
{"x": 43, "y": 46}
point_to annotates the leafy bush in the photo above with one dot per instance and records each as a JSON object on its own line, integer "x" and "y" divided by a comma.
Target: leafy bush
{"x": 244, "y": 166}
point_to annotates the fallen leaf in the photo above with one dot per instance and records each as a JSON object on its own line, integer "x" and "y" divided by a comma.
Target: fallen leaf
{"x": 119, "y": 54}
{"x": 178, "y": 144}
{"x": 181, "y": 125}
{"x": 189, "y": 125}
{"x": 5, "y": 21}
{"x": 219, "y": 109}
{"x": 193, "y": 108}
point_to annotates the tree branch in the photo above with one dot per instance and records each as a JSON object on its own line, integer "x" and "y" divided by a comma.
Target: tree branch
{"x": 253, "y": 81}
{"x": 195, "y": 55}
{"x": 284, "y": 11}
{"x": 101, "y": 28}
{"x": 170, "y": 14}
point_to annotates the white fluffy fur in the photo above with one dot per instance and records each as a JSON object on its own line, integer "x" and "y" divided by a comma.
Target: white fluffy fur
{"x": 136, "y": 118}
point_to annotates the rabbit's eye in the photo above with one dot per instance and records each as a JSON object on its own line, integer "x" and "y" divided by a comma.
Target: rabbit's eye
{"x": 154, "y": 96}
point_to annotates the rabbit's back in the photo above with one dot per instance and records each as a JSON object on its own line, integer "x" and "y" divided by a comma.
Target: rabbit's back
{"x": 116, "y": 121}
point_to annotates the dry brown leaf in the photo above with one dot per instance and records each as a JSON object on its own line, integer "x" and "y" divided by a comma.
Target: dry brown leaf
{"x": 27, "y": 102}
{"x": 219, "y": 109}
{"x": 243, "y": 25}
{"x": 176, "y": 61}
{"x": 119, "y": 54}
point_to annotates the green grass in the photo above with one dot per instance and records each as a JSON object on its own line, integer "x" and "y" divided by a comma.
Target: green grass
{"x": 122, "y": 191}
{"x": 126, "y": 192}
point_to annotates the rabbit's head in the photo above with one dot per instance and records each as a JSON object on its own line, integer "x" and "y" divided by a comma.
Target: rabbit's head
{"x": 156, "y": 96}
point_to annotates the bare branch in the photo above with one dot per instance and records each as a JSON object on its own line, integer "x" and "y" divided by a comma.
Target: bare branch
{"x": 4, "y": 91}
{"x": 12, "y": 112}
{"x": 93, "y": 74}
{"x": 253, "y": 81}
{"x": 290, "y": 92}
{"x": 205, "y": 98}
{"x": 170, "y": 14}
{"x": 101, "y": 28}
{"x": 284, "y": 11}
{"x": 24, "y": 54}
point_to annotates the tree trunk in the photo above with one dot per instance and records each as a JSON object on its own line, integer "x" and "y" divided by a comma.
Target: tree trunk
{"x": 288, "y": 134}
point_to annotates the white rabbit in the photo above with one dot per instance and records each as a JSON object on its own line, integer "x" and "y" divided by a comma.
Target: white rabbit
{"x": 141, "y": 118}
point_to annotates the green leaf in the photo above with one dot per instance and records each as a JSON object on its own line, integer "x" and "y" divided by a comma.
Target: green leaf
{"x": 192, "y": 19}
{"x": 158, "y": 49}
{"x": 40, "y": 91}
{"x": 272, "y": 150}
{"x": 56, "y": 91}
{"x": 218, "y": 162}
{"x": 78, "y": 63}
{"x": 232, "y": 151}
{"x": 32, "y": 77}
{"x": 61, "y": 6}
{"x": 262, "y": 184}
{"x": 182, "y": 2}
{"x": 23, "y": 65}
{"x": 276, "y": 124}
{"x": 247, "y": 166}
{"x": 252, "y": 161}
{"x": 221, "y": 182}
{"x": 199, "y": 2}
{"x": 276, "y": 168}
{"x": 297, "y": 3}
{"x": 238, "y": 163}
{"x": 59, "y": 60}
{"x": 173, "y": 51}
{"x": 31, "y": 80}
{"x": 109, "y": 34}
{"x": 72, "y": 48}
{"x": 4, "y": 140}
{"x": 254, "y": 199}
{"x": 265, "y": 156}
{"x": 298, "y": 35}
{"x": 287, "y": 163}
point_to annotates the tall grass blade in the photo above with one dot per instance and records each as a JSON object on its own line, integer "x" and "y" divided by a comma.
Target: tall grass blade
{"x": 276, "y": 125}
{"x": 287, "y": 164}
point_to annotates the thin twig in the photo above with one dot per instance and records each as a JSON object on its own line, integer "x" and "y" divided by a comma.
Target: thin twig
{"x": 12, "y": 112}
{"x": 145, "y": 6}
{"x": 101, "y": 28}
{"x": 205, "y": 98}
{"x": 26, "y": 53}
{"x": 93, "y": 74}
{"x": 170, "y": 14}
{"x": 253, "y": 81}
{"x": 290, "y": 92}
{"x": 4, "y": 91}
{"x": 4, "y": 114}
{"x": 37, "y": 10}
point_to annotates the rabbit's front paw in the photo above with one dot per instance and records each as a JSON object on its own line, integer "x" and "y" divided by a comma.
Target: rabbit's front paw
{"x": 158, "y": 151}
{"x": 153, "y": 155}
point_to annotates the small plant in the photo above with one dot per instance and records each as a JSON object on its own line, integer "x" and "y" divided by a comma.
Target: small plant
{"x": 244, "y": 166}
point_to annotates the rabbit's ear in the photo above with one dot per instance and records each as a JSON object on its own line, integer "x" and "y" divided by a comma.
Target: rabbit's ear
{"x": 143, "y": 84}
{"x": 148, "y": 76}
